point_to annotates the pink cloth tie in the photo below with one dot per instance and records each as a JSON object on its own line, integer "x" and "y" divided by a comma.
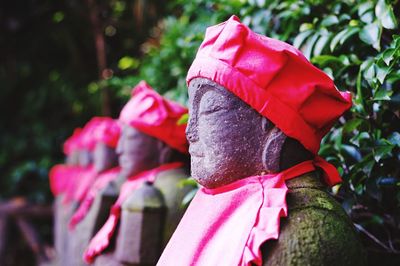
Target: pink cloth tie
{"x": 101, "y": 182}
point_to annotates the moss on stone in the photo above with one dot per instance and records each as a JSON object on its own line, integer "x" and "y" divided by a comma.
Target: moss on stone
{"x": 316, "y": 232}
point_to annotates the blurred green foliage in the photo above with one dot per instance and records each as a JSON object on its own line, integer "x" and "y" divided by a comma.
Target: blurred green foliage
{"x": 48, "y": 79}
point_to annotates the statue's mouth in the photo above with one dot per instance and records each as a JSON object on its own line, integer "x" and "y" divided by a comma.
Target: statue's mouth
{"x": 194, "y": 152}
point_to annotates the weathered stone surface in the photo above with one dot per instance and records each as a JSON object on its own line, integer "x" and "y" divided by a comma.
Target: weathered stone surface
{"x": 316, "y": 232}
{"x": 86, "y": 229}
{"x": 139, "y": 237}
{"x": 168, "y": 183}
{"x": 104, "y": 158}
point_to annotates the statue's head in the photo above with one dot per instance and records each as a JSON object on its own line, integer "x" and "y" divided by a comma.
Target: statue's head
{"x": 229, "y": 140}
{"x": 256, "y": 106}
{"x": 105, "y": 136}
{"x": 71, "y": 148}
{"x": 151, "y": 135}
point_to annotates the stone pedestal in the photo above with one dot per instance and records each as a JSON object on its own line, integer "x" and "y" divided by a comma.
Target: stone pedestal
{"x": 93, "y": 221}
{"x": 139, "y": 238}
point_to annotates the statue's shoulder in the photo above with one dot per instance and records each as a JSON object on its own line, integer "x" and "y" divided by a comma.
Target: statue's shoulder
{"x": 317, "y": 231}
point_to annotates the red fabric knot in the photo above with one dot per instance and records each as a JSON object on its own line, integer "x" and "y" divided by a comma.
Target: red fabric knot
{"x": 330, "y": 173}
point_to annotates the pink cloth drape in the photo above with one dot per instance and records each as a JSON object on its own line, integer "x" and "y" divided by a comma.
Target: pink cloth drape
{"x": 227, "y": 225}
{"x": 102, "y": 239}
{"x": 101, "y": 182}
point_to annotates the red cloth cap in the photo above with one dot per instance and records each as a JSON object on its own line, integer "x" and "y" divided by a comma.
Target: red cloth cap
{"x": 156, "y": 116}
{"x": 87, "y": 141}
{"x": 107, "y": 131}
{"x": 99, "y": 129}
{"x": 272, "y": 77}
{"x": 72, "y": 143}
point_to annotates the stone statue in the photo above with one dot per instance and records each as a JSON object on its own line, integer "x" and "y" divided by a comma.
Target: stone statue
{"x": 258, "y": 110}
{"x": 90, "y": 152}
{"x": 317, "y": 230}
{"x": 149, "y": 213}
{"x": 104, "y": 158}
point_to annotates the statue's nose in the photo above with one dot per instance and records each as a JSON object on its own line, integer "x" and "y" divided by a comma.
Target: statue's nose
{"x": 191, "y": 132}
{"x": 118, "y": 149}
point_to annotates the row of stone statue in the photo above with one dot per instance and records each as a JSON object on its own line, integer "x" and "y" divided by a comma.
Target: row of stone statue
{"x": 258, "y": 111}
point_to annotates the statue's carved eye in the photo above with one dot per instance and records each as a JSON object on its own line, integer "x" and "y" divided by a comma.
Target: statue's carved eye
{"x": 211, "y": 109}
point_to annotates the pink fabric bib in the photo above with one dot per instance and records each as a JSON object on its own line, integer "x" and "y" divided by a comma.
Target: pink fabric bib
{"x": 227, "y": 225}
{"x": 86, "y": 179}
{"x": 102, "y": 239}
{"x": 72, "y": 183}
{"x": 101, "y": 182}
{"x": 59, "y": 176}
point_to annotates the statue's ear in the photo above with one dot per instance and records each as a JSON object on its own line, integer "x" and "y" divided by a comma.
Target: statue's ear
{"x": 271, "y": 155}
{"x": 292, "y": 153}
{"x": 165, "y": 153}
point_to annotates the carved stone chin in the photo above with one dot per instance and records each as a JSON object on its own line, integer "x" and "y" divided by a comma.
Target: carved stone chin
{"x": 104, "y": 157}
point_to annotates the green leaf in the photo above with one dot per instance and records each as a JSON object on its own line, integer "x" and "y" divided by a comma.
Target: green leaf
{"x": 395, "y": 138}
{"x": 364, "y": 7}
{"x": 58, "y": 17}
{"x": 187, "y": 182}
{"x": 306, "y": 27}
{"x": 359, "y": 137}
{"x": 388, "y": 55}
{"x": 321, "y": 44}
{"x": 371, "y": 34}
{"x": 260, "y": 3}
{"x": 309, "y": 45}
{"x": 350, "y": 32}
{"x": 352, "y": 151}
{"x": 128, "y": 62}
{"x": 324, "y": 60}
{"x": 342, "y": 36}
{"x": 382, "y": 151}
{"x": 384, "y": 13}
{"x": 381, "y": 73}
{"x": 298, "y": 41}
{"x": 382, "y": 95}
{"x": 183, "y": 119}
{"x": 188, "y": 197}
{"x": 329, "y": 21}
{"x": 352, "y": 125}
{"x": 369, "y": 73}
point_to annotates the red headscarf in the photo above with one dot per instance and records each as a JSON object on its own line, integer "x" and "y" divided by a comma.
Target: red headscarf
{"x": 156, "y": 116}
{"x": 72, "y": 142}
{"x": 274, "y": 78}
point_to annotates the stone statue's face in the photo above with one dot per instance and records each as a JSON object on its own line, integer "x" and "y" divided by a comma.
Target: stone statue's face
{"x": 85, "y": 158}
{"x": 104, "y": 157}
{"x": 73, "y": 158}
{"x": 136, "y": 151}
{"x": 226, "y": 136}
